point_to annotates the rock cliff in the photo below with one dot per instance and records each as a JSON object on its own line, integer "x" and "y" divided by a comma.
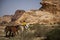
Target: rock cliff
{"x": 6, "y": 18}
{"x": 17, "y": 14}
{"x": 50, "y": 5}
{"x": 47, "y": 14}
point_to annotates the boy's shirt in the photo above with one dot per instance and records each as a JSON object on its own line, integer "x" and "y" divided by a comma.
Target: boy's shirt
{"x": 24, "y": 23}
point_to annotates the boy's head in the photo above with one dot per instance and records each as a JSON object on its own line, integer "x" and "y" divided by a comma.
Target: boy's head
{"x": 24, "y": 21}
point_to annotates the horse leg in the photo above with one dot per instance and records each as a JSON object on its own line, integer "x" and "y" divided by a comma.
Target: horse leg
{"x": 6, "y": 34}
{"x": 6, "y": 31}
{"x": 17, "y": 32}
{"x": 10, "y": 32}
{"x": 12, "y": 35}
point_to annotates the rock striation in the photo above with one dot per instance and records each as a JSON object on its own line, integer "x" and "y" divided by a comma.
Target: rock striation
{"x": 50, "y": 5}
{"x": 47, "y": 14}
{"x": 17, "y": 14}
{"x": 6, "y": 18}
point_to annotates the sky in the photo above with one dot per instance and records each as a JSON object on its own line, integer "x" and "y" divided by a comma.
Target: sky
{"x": 8, "y": 7}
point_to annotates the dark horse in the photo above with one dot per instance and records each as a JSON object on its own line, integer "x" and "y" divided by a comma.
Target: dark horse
{"x": 11, "y": 30}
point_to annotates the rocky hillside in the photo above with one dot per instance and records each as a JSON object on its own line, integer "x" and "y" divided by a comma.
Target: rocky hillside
{"x": 5, "y": 18}
{"x": 17, "y": 14}
{"x": 47, "y": 14}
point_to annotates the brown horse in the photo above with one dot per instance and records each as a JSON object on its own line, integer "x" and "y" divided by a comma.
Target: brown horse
{"x": 11, "y": 30}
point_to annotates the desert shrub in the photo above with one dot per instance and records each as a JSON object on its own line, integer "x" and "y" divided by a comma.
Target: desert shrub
{"x": 53, "y": 35}
{"x": 58, "y": 24}
{"x": 26, "y": 36}
{"x": 40, "y": 30}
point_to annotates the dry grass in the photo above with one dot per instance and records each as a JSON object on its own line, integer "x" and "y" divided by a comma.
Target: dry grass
{"x": 38, "y": 34}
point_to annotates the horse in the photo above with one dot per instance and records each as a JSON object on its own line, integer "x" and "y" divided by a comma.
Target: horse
{"x": 10, "y": 31}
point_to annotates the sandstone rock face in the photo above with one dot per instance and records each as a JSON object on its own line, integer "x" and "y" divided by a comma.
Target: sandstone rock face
{"x": 48, "y": 13}
{"x": 6, "y": 18}
{"x": 50, "y": 5}
{"x": 37, "y": 17}
{"x": 17, "y": 14}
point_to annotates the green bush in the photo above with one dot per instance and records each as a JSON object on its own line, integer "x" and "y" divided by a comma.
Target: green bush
{"x": 53, "y": 35}
{"x": 40, "y": 30}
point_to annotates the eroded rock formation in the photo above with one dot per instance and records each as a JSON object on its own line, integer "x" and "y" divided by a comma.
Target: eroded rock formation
{"x": 17, "y": 14}
{"x": 6, "y": 18}
{"x": 50, "y": 5}
{"x": 48, "y": 13}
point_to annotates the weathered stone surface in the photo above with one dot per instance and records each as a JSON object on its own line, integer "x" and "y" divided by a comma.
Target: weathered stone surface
{"x": 17, "y": 14}
{"x": 51, "y": 6}
{"x": 6, "y": 18}
{"x": 37, "y": 17}
{"x": 48, "y": 13}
